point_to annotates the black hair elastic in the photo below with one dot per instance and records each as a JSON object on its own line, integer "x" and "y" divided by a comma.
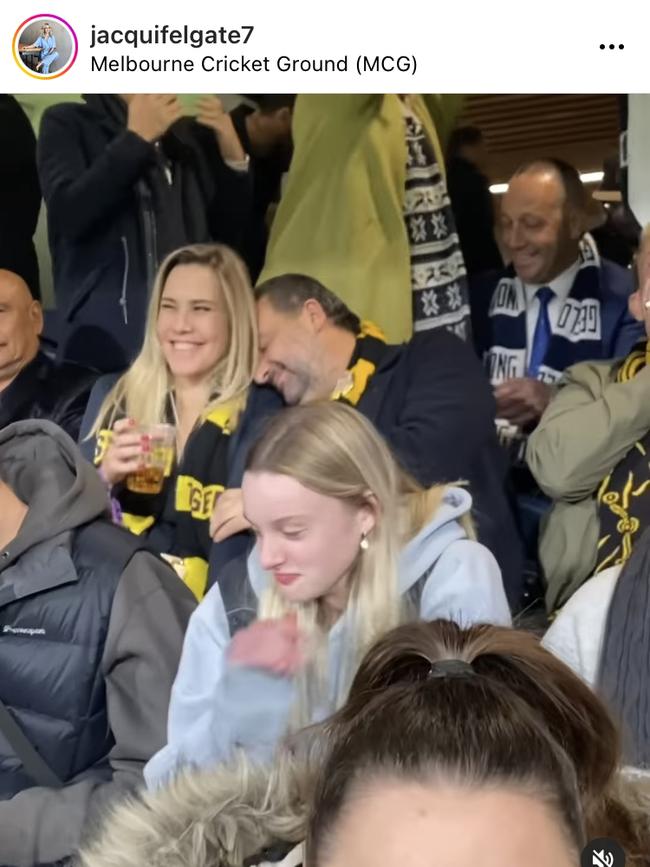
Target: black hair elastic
{"x": 450, "y": 668}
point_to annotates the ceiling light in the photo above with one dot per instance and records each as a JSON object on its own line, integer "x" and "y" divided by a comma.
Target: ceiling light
{"x": 591, "y": 177}
{"x": 585, "y": 177}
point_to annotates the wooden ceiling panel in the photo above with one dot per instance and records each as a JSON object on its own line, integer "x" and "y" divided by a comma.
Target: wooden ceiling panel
{"x": 580, "y": 128}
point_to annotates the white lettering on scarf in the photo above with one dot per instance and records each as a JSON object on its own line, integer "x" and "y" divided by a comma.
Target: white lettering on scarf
{"x": 579, "y": 320}
{"x": 548, "y": 374}
{"x": 504, "y": 364}
{"x": 508, "y": 299}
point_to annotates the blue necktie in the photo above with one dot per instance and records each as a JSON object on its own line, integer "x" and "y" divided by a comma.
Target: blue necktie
{"x": 543, "y": 333}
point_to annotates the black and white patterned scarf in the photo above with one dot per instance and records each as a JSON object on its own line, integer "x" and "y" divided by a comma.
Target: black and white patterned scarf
{"x": 438, "y": 275}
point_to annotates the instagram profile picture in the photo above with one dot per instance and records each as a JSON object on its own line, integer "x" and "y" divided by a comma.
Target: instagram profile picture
{"x": 45, "y": 46}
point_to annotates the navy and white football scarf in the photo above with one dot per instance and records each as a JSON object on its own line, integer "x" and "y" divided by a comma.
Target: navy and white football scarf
{"x": 576, "y": 336}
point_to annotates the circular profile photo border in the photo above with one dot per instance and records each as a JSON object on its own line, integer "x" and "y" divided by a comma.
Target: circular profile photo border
{"x": 16, "y": 42}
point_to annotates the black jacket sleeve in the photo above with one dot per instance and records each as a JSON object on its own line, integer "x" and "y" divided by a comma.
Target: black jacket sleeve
{"x": 481, "y": 290}
{"x": 448, "y": 409}
{"x": 230, "y": 202}
{"x": 231, "y": 207}
{"x": 92, "y": 406}
{"x": 80, "y": 197}
{"x": 75, "y": 386}
{"x": 471, "y": 202}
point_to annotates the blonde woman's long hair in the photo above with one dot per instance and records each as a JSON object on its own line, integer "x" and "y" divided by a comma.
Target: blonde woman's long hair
{"x": 142, "y": 392}
{"x": 333, "y": 450}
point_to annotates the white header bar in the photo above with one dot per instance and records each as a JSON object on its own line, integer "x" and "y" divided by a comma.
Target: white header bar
{"x": 334, "y": 46}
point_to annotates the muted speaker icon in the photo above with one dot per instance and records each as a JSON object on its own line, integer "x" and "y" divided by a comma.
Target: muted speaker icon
{"x": 603, "y": 853}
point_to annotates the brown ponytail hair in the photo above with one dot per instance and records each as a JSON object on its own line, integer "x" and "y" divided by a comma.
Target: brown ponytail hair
{"x": 517, "y": 716}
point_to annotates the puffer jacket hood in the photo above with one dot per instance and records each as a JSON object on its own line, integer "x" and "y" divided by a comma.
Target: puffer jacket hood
{"x": 45, "y": 469}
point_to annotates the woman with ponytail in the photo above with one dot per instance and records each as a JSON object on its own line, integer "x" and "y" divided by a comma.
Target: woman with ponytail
{"x": 507, "y": 759}
{"x": 455, "y": 747}
{"x": 347, "y": 548}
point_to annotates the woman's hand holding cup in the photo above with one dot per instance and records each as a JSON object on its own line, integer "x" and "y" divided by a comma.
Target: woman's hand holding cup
{"x": 124, "y": 454}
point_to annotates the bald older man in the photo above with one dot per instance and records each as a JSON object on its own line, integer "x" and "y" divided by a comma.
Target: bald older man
{"x": 558, "y": 303}
{"x": 31, "y": 384}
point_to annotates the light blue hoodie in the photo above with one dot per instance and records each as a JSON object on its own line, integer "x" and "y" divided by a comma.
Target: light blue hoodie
{"x": 216, "y": 707}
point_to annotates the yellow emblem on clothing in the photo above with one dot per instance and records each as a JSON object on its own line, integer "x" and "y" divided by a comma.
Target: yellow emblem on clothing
{"x": 622, "y": 491}
{"x": 192, "y": 571}
{"x": 198, "y": 499}
{"x": 137, "y": 524}
{"x": 352, "y": 386}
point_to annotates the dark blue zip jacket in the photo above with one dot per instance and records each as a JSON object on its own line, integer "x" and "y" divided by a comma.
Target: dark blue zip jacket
{"x": 116, "y": 205}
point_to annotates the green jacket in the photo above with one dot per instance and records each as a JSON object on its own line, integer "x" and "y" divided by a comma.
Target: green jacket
{"x": 340, "y": 219}
{"x": 586, "y": 430}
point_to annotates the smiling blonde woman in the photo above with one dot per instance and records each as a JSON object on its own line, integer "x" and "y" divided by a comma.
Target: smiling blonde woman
{"x": 194, "y": 372}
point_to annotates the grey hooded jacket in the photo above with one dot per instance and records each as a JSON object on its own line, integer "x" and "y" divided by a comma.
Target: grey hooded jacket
{"x": 138, "y": 654}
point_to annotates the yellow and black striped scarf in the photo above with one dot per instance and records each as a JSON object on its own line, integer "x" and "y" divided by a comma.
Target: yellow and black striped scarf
{"x": 624, "y": 495}
{"x": 368, "y": 352}
{"x": 188, "y": 496}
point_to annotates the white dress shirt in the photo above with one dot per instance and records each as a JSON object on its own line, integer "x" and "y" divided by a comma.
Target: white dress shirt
{"x": 561, "y": 286}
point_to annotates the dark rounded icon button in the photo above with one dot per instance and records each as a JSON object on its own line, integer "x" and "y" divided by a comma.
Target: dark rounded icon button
{"x": 603, "y": 852}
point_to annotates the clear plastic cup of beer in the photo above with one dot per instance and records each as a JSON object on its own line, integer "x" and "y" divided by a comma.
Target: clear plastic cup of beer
{"x": 157, "y": 456}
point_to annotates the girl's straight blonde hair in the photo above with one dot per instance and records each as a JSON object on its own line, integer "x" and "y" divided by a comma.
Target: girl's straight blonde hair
{"x": 142, "y": 391}
{"x": 333, "y": 450}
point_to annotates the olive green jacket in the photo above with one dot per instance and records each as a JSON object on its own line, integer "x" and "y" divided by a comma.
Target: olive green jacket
{"x": 588, "y": 427}
{"x": 340, "y": 219}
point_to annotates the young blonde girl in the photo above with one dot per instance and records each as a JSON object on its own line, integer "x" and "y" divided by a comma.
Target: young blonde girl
{"x": 347, "y": 547}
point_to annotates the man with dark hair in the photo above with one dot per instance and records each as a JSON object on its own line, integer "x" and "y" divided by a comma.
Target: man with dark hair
{"x": 31, "y": 384}
{"x": 557, "y": 303}
{"x": 428, "y": 397}
{"x": 265, "y": 135}
{"x": 92, "y": 629}
{"x": 471, "y": 200}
